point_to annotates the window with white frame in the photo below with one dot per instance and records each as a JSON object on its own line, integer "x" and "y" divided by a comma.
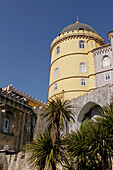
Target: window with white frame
{"x": 81, "y": 44}
{"x": 5, "y": 125}
{"x": 57, "y": 50}
{"x": 108, "y": 77}
{"x": 106, "y": 61}
{"x": 55, "y": 86}
{"x": 83, "y": 82}
{"x": 56, "y": 72}
{"x": 82, "y": 67}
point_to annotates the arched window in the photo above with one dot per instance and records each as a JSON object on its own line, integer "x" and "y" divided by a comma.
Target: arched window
{"x": 106, "y": 61}
{"x": 82, "y": 67}
{"x": 8, "y": 117}
{"x": 57, "y": 50}
{"x": 56, "y": 72}
{"x": 81, "y": 29}
{"x": 55, "y": 86}
{"x": 107, "y": 77}
{"x": 83, "y": 82}
{"x": 81, "y": 44}
{"x": 5, "y": 125}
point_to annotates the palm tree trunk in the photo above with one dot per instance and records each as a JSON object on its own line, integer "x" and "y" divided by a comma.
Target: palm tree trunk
{"x": 53, "y": 166}
{"x": 104, "y": 160}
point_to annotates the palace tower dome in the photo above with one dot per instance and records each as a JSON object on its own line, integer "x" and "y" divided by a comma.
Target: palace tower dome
{"x": 72, "y": 70}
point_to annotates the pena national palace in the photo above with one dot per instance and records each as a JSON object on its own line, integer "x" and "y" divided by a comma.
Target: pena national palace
{"x": 81, "y": 71}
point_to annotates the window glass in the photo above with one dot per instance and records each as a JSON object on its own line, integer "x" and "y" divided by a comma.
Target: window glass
{"x": 55, "y": 86}
{"x": 83, "y": 67}
{"x": 81, "y": 44}
{"x": 5, "y": 125}
{"x": 106, "y": 61}
{"x": 57, "y": 50}
{"x": 83, "y": 82}
{"x": 108, "y": 77}
{"x": 56, "y": 72}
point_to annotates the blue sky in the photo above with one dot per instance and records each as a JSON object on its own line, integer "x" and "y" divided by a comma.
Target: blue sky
{"x": 27, "y": 28}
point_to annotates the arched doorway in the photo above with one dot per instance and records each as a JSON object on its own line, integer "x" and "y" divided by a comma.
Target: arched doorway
{"x": 89, "y": 111}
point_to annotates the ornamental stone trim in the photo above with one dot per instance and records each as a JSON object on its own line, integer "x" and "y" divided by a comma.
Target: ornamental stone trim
{"x": 102, "y": 50}
{"x": 76, "y": 34}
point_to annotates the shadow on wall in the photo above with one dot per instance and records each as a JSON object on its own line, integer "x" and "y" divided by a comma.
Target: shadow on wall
{"x": 90, "y": 110}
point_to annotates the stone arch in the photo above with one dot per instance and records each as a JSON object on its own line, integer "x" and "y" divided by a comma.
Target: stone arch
{"x": 89, "y": 110}
{"x": 101, "y": 97}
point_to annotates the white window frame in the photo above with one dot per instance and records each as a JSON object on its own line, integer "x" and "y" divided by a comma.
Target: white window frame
{"x": 55, "y": 86}
{"x": 56, "y": 72}
{"x": 106, "y": 61}
{"x": 5, "y": 125}
{"x": 107, "y": 77}
{"x": 57, "y": 51}
{"x": 82, "y": 44}
{"x": 82, "y": 67}
{"x": 83, "y": 82}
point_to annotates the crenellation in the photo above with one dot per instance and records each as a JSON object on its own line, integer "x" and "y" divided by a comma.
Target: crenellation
{"x": 18, "y": 98}
{"x": 13, "y": 96}
{"x": 17, "y": 91}
{"x": 4, "y": 92}
{"x": 23, "y": 94}
{"x": 76, "y": 34}
{"x": 20, "y": 92}
{"x": 15, "y": 102}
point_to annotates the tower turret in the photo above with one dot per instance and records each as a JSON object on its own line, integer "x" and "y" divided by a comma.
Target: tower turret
{"x": 72, "y": 71}
{"x": 110, "y": 36}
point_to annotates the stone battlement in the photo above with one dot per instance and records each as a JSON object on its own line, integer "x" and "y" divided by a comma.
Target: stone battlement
{"x": 76, "y": 34}
{"x": 18, "y": 96}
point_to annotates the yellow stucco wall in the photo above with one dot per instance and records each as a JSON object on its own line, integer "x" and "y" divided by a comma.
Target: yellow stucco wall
{"x": 68, "y": 61}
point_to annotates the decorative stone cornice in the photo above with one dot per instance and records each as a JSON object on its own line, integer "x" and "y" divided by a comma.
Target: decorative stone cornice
{"x": 67, "y": 55}
{"x": 71, "y": 77}
{"x": 76, "y": 34}
{"x": 102, "y": 50}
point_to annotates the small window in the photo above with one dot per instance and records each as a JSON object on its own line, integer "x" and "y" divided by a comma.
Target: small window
{"x": 82, "y": 67}
{"x": 83, "y": 82}
{"x": 107, "y": 77}
{"x": 55, "y": 86}
{"x": 5, "y": 125}
{"x": 57, "y": 50}
{"x": 81, "y": 44}
{"x": 56, "y": 72}
{"x": 81, "y": 29}
{"x": 106, "y": 61}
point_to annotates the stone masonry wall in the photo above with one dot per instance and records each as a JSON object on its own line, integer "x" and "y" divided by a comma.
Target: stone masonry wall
{"x": 82, "y": 104}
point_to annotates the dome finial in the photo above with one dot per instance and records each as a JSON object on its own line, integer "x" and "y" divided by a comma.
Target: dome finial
{"x": 77, "y": 20}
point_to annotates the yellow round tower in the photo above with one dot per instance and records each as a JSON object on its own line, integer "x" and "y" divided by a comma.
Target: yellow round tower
{"x": 72, "y": 70}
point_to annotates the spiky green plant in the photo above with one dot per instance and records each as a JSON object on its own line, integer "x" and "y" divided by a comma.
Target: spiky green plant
{"x": 40, "y": 149}
{"x": 57, "y": 112}
{"x": 42, "y": 153}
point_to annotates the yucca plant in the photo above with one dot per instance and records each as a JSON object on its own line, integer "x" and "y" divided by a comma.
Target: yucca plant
{"x": 40, "y": 149}
{"x": 43, "y": 156}
{"x": 58, "y": 113}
